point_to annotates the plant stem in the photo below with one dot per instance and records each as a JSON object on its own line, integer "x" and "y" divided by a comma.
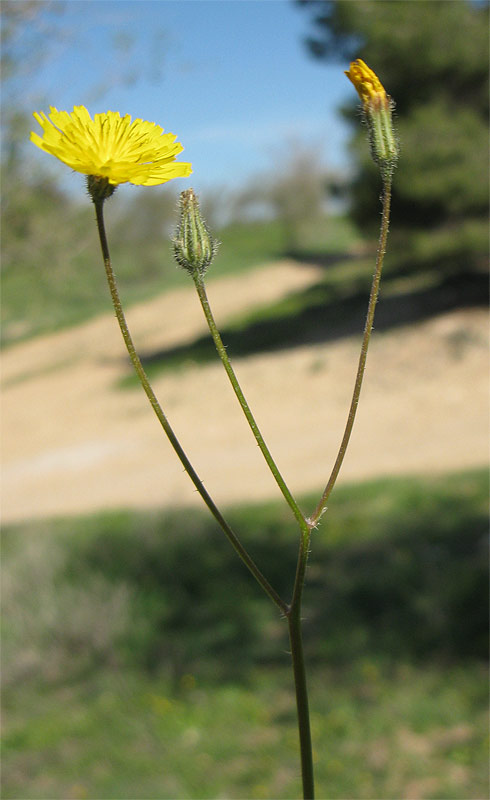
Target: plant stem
{"x": 294, "y": 615}
{"x": 299, "y": 670}
{"x": 232, "y": 538}
{"x": 302, "y": 708}
{"x": 294, "y": 611}
{"x": 385, "y": 219}
{"x": 201, "y": 291}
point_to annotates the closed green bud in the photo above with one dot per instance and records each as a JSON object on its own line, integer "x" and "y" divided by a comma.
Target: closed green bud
{"x": 194, "y": 247}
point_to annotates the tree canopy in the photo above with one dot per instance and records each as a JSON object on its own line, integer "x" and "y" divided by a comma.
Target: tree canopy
{"x": 432, "y": 57}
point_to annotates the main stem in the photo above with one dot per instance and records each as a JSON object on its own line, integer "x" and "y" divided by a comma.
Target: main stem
{"x": 294, "y": 615}
{"x": 373, "y": 297}
{"x": 294, "y": 612}
{"x": 232, "y": 538}
{"x": 299, "y": 670}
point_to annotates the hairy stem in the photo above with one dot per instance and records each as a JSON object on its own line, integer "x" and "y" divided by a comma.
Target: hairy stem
{"x": 385, "y": 218}
{"x": 221, "y": 349}
{"x": 232, "y": 538}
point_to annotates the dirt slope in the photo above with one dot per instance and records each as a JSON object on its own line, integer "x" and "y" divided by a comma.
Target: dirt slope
{"x": 73, "y": 443}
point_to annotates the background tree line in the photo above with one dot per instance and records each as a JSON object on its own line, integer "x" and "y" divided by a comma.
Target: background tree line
{"x": 433, "y": 58}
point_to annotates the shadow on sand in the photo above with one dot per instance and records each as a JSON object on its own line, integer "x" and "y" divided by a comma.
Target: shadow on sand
{"x": 327, "y": 311}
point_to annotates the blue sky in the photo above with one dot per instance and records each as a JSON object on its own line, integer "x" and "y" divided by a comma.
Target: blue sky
{"x": 232, "y": 78}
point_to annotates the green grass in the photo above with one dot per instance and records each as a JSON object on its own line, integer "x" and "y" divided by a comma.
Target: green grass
{"x": 378, "y": 733}
{"x": 140, "y": 660}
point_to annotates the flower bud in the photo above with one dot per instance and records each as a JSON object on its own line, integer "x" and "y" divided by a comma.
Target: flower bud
{"x": 194, "y": 247}
{"x": 377, "y": 108}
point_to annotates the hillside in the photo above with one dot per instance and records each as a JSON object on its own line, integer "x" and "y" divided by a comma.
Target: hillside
{"x": 75, "y": 441}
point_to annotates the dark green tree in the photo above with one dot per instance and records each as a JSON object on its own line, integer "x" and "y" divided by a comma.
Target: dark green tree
{"x": 432, "y": 57}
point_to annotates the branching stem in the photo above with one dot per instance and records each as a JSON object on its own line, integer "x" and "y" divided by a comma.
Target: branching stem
{"x": 232, "y": 538}
{"x": 294, "y": 611}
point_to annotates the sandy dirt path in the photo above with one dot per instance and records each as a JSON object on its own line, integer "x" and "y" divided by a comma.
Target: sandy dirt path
{"x": 74, "y": 443}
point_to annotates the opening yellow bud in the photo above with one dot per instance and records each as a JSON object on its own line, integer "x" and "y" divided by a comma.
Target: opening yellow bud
{"x": 368, "y": 85}
{"x": 377, "y": 109}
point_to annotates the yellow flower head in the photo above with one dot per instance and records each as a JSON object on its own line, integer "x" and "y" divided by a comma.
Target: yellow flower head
{"x": 377, "y": 110}
{"x": 368, "y": 85}
{"x": 111, "y": 147}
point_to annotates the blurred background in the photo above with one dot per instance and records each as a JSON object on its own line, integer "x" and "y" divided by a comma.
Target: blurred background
{"x": 139, "y": 658}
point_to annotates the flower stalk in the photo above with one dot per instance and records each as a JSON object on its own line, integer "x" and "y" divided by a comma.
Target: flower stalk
{"x": 377, "y": 109}
{"x": 194, "y": 249}
{"x": 221, "y": 349}
{"x": 373, "y": 298}
{"x": 145, "y": 383}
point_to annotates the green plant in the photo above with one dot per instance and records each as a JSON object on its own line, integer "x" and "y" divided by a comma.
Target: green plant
{"x": 112, "y": 150}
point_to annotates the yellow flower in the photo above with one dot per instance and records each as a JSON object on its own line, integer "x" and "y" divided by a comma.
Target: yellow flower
{"x": 368, "y": 85}
{"x": 111, "y": 147}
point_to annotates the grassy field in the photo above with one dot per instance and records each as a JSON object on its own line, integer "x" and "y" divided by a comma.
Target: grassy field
{"x": 140, "y": 660}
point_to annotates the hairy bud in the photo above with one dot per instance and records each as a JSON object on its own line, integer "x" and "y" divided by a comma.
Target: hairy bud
{"x": 194, "y": 247}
